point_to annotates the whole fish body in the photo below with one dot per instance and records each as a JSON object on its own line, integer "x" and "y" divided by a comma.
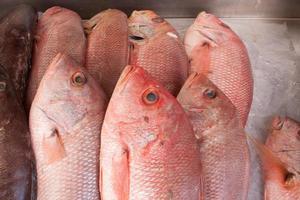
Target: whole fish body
{"x": 217, "y": 52}
{"x": 59, "y": 30}
{"x": 223, "y": 147}
{"x": 107, "y": 49}
{"x": 279, "y": 182}
{"x": 65, "y": 121}
{"x": 156, "y": 46}
{"x": 284, "y": 141}
{"x": 148, "y": 149}
{"x": 16, "y": 41}
{"x": 15, "y": 153}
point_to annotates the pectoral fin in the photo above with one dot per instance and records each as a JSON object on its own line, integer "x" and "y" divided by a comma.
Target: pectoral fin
{"x": 53, "y": 147}
{"x": 121, "y": 174}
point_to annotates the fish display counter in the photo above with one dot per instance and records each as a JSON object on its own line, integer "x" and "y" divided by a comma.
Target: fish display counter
{"x": 150, "y": 100}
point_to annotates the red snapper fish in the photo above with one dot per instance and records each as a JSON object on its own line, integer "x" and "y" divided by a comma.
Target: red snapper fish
{"x": 107, "y": 51}
{"x": 148, "y": 148}
{"x": 156, "y": 46}
{"x": 65, "y": 121}
{"x": 59, "y": 30}
{"x": 279, "y": 182}
{"x": 217, "y": 52}
{"x": 223, "y": 146}
{"x": 284, "y": 141}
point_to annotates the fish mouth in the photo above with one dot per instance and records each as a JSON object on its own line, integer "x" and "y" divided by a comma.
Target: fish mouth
{"x": 141, "y": 30}
{"x": 209, "y": 38}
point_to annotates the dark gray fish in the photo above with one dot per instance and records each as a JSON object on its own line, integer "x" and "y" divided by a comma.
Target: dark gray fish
{"x": 15, "y": 163}
{"x": 16, "y": 39}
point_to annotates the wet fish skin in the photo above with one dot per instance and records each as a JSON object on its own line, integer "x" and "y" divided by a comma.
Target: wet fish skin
{"x": 16, "y": 41}
{"x": 59, "y": 30}
{"x": 284, "y": 141}
{"x": 217, "y": 52}
{"x": 107, "y": 48}
{"x": 223, "y": 146}
{"x": 15, "y": 152}
{"x": 156, "y": 46}
{"x": 148, "y": 150}
{"x": 279, "y": 182}
{"x": 65, "y": 122}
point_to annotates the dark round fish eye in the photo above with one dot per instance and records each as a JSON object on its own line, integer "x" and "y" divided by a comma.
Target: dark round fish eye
{"x": 2, "y": 86}
{"x": 135, "y": 37}
{"x": 78, "y": 79}
{"x": 289, "y": 178}
{"x": 278, "y": 123}
{"x": 150, "y": 97}
{"x": 158, "y": 19}
{"x": 210, "y": 93}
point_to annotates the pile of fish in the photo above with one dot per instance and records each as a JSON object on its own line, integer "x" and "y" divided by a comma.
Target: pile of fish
{"x": 118, "y": 108}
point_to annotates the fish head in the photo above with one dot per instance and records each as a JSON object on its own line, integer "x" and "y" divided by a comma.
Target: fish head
{"x": 68, "y": 94}
{"x": 278, "y": 180}
{"x": 208, "y": 30}
{"x": 284, "y": 139}
{"x": 210, "y": 21}
{"x": 144, "y": 106}
{"x": 145, "y": 24}
{"x": 200, "y": 95}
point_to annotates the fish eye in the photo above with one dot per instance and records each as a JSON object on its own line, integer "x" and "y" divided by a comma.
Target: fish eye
{"x": 210, "y": 93}
{"x": 278, "y": 123}
{"x": 78, "y": 79}
{"x": 136, "y": 38}
{"x": 2, "y": 86}
{"x": 289, "y": 178}
{"x": 158, "y": 19}
{"x": 150, "y": 97}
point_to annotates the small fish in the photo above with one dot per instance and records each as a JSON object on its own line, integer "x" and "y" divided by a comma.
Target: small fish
{"x": 156, "y": 46}
{"x": 107, "y": 51}
{"x": 223, "y": 146}
{"x": 65, "y": 121}
{"x": 15, "y": 152}
{"x": 217, "y": 52}
{"x": 279, "y": 182}
{"x": 284, "y": 141}
{"x": 16, "y": 41}
{"x": 59, "y": 30}
{"x": 148, "y": 148}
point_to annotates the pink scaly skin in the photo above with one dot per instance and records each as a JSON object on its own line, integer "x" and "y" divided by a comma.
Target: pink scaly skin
{"x": 223, "y": 146}
{"x": 59, "y": 30}
{"x": 65, "y": 121}
{"x": 107, "y": 51}
{"x": 148, "y": 148}
{"x": 217, "y": 52}
{"x": 157, "y": 47}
